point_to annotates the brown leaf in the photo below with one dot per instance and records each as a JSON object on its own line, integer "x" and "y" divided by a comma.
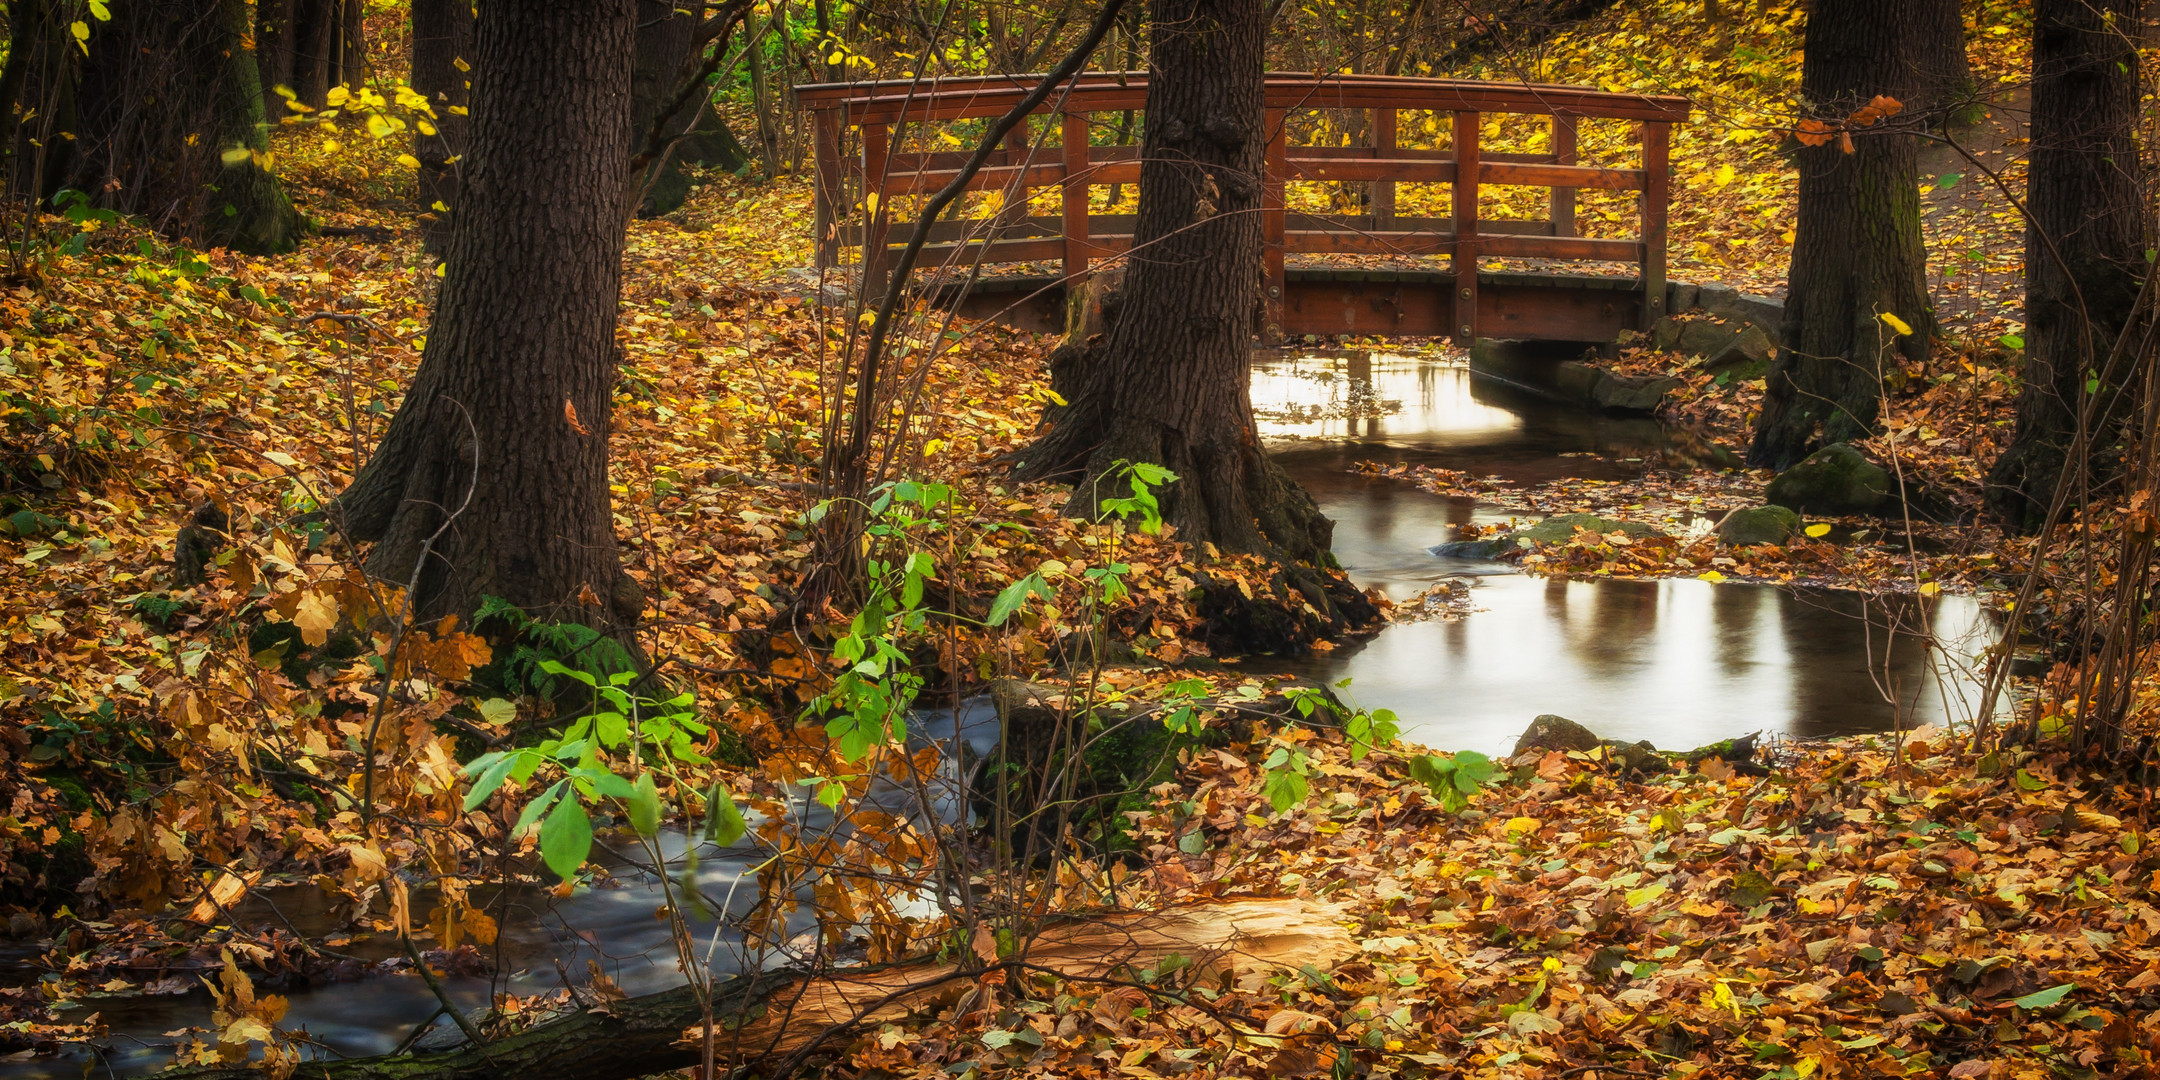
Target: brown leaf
{"x": 984, "y": 944}
{"x": 569, "y": 412}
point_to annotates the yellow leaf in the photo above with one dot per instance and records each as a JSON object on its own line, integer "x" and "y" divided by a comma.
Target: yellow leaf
{"x": 380, "y": 126}
{"x": 933, "y": 446}
{"x": 1724, "y": 175}
{"x": 337, "y": 96}
{"x": 1711, "y": 575}
{"x": 1820, "y": 528}
{"x": 1896, "y": 323}
{"x": 1524, "y": 825}
{"x": 408, "y": 161}
{"x": 1929, "y": 588}
{"x": 236, "y": 156}
{"x": 315, "y": 615}
{"x": 331, "y": 146}
{"x": 425, "y": 127}
{"x": 80, "y": 29}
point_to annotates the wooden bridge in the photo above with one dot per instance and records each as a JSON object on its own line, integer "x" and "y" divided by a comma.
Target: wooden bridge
{"x": 866, "y": 134}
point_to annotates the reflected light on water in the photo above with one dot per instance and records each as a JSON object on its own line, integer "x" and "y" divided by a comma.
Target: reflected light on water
{"x": 1370, "y": 396}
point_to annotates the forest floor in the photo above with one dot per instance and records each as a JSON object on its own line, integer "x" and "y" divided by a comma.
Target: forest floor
{"x": 1859, "y": 907}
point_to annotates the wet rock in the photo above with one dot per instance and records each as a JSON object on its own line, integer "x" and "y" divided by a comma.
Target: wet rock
{"x": 1638, "y": 393}
{"x": 1727, "y": 302}
{"x": 1555, "y": 732}
{"x": 23, "y": 924}
{"x": 1640, "y": 757}
{"x": 1558, "y": 529}
{"x": 1681, "y": 296}
{"x": 1834, "y": 480}
{"x": 1758, "y": 525}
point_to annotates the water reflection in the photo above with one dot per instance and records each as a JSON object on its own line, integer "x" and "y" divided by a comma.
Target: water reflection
{"x": 1678, "y": 662}
{"x": 1326, "y": 414}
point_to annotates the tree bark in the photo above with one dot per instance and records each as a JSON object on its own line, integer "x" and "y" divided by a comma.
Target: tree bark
{"x": 1858, "y": 254}
{"x": 493, "y": 477}
{"x": 442, "y": 39}
{"x": 313, "y": 45}
{"x": 1168, "y": 381}
{"x": 274, "y": 39}
{"x": 352, "y": 43}
{"x": 171, "y": 125}
{"x": 771, "y": 1021}
{"x": 37, "y": 98}
{"x": 2084, "y": 248}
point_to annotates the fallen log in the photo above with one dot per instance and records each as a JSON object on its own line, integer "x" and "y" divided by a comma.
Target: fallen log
{"x": 770, "y": 1018}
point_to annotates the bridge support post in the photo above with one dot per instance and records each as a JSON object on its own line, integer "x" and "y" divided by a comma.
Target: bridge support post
{"x": 1076, "y": 201}
{"x": 1657, "y": 180}
{"x": 828, "y": 197}
{"x": 1383, "y": 191}
{"x": 1465, "y": 258}
{"x": 1563, "y": 151}
{"x": 1273, "y": 225}
{"x": 877, "y": 217}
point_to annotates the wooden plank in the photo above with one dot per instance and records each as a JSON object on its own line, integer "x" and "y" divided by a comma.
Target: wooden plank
{"x": 1075, "y": 138}
{"x": 1332, "y": 167}
{"x": 1657, "y": 168}
{"x": 1561, "y": 247}
{"x": 829, "y": 196}
{"x": 1271, "y": 221}
{"x": 1553, "y": 176}
{"x": 1563, "y": 198}
{"x": 1314, "y": 242}
{"x": 1465, "y": 255}
{"x": 1383, "y": 191}
{"x": 958, "y": 98}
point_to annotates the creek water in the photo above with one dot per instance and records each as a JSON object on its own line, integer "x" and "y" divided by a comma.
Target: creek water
{"x": 1681, "y": 663}
{"x": 1678, "y": 662}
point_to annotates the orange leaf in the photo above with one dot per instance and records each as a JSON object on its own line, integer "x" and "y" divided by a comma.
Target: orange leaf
{"x": 1813, "y": 133}
{"x": 1844, "y": 141}
{"x": 569, "y": 412}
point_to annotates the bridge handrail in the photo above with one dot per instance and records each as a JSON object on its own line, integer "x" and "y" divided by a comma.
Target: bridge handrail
{"x": 878, "y": 107}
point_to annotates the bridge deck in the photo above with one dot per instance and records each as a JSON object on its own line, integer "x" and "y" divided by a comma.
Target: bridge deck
{"x": 866, "y": 179}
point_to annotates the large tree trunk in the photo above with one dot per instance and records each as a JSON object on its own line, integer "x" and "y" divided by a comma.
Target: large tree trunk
{"x": 171, "y": 125}
{"x": 442, "y": 39}
{"x": 493, "y": 477}
{"x": 37, "y": 98}
{"x": 2083, "y": 246}
{"x": 314, "y": 46}
{"x": 1168, "y": 382}
{"x": 668, "y": 56}
{"x": 274, "y": 39}
{"x": 769, "y": 1021}
{"x": 1858, "y": 255}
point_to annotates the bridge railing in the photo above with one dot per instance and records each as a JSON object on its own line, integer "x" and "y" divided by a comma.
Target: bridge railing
{"x": 1078, "y": 238}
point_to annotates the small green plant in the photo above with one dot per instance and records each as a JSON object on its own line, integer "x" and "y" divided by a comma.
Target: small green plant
{"x": 1454, "y": 779}
{"x": 622, "y": 730}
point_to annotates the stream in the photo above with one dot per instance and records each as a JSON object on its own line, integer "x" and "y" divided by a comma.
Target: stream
{"x": 1678, "y": 662}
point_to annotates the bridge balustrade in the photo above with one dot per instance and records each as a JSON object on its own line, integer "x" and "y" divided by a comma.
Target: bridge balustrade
{"x": 1081, "y": 238}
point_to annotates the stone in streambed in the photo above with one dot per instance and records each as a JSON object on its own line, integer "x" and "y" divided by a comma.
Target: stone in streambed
{"x": 1555, "y": 732}
{"x": 1558, "y": 529}
{"x": 1759, "y": 525}
{"x": 1835, "y": 480}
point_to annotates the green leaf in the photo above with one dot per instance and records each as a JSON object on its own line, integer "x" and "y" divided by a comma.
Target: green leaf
{"x": 1477, "y": 767}
{"x": 2012, "y": 341}
{"x": 537, "y": 807}
{"x": 1431, "y": 771}
{"x": 1285, "y": 788}
{"x": 491, "y": 778}
{"x": 644, "y": 806}
{"x": 1014, "y": 595}
{"x": 566, "y": 838}
{"x": 723, "y": 822}
{"x": 2044, "y": 998}
{"x": 1192, "y": 843}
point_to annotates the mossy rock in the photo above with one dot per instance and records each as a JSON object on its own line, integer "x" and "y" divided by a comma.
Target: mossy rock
{"x": 1555, "y": 732}
{"x": 1759, "y": 525}
{"x": 1835, "y": 480}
